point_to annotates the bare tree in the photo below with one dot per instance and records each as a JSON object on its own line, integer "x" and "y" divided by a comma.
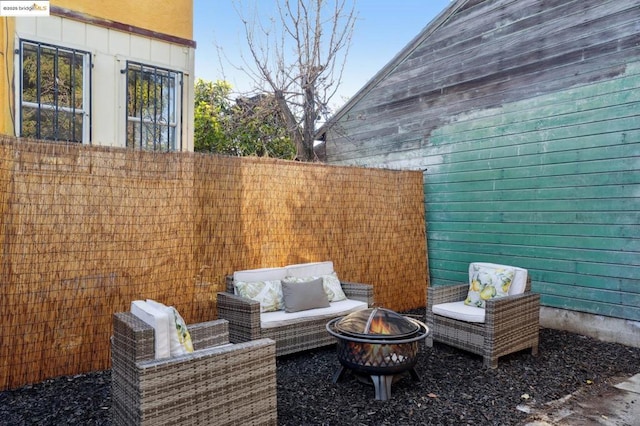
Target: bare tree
{"x": 299, "y": 57}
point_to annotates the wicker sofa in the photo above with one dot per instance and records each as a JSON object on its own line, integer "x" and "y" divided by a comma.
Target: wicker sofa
{"x": 505, "y": 325}
{"x": 292, "y": 332}
{"x": 218, "y": 383}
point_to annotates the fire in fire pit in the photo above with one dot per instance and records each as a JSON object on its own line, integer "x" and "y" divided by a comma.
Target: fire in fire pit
{"x": 378, "y": 342}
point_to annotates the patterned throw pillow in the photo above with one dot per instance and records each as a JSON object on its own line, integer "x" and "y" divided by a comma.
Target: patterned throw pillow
{"x": 333, "y": 288}
{"x": 184, "y": 338}
{"x": 330, "y": 283}
{"x": 268, "y": 293}
{"x": 487, "y": 283}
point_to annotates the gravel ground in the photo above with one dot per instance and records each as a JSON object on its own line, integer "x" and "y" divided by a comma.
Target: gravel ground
{"x": 454, "y": 388}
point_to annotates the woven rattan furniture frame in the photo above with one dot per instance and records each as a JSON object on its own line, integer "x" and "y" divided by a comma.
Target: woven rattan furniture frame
{"x": 214, "y": 385}
{"x": 512, "y": 324}
{"x": 244, "y": 321}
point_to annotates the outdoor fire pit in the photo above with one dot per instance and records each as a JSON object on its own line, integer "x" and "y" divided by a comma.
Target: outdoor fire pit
{"x": 379, "y": 343}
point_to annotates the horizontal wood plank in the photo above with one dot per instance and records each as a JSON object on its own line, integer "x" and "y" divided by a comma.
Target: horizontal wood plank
{"x": 523, "y": 117}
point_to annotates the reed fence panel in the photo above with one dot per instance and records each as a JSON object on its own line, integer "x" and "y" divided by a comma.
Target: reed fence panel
{"x": 86, "y": 230}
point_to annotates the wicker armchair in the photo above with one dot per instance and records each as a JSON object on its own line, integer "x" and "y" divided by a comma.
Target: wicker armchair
{"x": 218, "y": 383}
{"x": 511, "y": 323}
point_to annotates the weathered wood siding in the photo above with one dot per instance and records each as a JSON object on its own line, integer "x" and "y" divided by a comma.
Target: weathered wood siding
{"x": 526, "y": 116}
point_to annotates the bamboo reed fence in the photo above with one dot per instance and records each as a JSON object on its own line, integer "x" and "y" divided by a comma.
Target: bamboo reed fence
{"x": 86, "y": 230}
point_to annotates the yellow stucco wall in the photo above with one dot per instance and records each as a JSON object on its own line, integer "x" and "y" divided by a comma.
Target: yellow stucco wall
{"x": 7, "y": 26}
{"x": 173, "y": 17}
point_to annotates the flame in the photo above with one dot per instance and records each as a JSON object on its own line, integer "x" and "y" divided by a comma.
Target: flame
{"x": 379, "y": 326}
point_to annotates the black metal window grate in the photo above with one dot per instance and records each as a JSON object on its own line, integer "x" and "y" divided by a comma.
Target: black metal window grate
{"x": 153, "y": 107}
{"x": 55, "y": 94}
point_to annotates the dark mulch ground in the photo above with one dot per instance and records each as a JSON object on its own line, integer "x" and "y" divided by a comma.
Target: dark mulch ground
{"x": 454, "y": 389}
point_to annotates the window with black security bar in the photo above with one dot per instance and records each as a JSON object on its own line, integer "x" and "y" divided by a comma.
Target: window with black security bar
{"x": 153, "y": 107}
{"x": 55, "y": 96}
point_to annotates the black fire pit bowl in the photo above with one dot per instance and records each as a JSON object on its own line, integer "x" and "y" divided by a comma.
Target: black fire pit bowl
{"x": 377, "y": 342}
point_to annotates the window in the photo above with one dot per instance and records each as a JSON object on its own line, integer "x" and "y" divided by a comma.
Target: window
{"x": 55, "y": 95}
{"x": 153, "y": 107}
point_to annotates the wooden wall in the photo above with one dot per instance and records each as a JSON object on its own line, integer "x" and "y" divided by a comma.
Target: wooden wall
{"x": 526, "y": 116}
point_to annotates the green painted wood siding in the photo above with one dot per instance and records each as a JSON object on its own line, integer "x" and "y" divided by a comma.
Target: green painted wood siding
{"x": 526, "y": 116}
{"x": 551, "y": 184}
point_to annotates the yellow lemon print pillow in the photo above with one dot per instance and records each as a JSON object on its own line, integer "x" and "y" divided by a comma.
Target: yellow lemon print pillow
{"x": 486, "y": 283}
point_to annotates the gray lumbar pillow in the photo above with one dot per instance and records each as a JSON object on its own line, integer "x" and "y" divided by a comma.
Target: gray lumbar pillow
{"x": 303, "y": 296}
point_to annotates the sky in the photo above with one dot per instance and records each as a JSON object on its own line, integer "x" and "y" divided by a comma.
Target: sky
{"x": 382, "y": 29}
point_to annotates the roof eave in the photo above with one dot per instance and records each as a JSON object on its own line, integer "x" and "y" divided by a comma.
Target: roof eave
{"x": 431, "y": 27}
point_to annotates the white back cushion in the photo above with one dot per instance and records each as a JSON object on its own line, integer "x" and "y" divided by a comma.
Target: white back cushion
{"x": 263, "y": 274}
{"x": 313, "y": 269}
{"x": 519, "y": 280}
{"x": 159, "y": 320}
{"x": 179, "y": 337}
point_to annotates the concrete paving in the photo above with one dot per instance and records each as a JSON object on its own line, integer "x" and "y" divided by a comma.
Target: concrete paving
{"x": 616, "y": 405}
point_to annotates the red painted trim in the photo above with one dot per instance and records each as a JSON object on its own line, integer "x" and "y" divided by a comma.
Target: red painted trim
{"x": 106, "y": 23}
